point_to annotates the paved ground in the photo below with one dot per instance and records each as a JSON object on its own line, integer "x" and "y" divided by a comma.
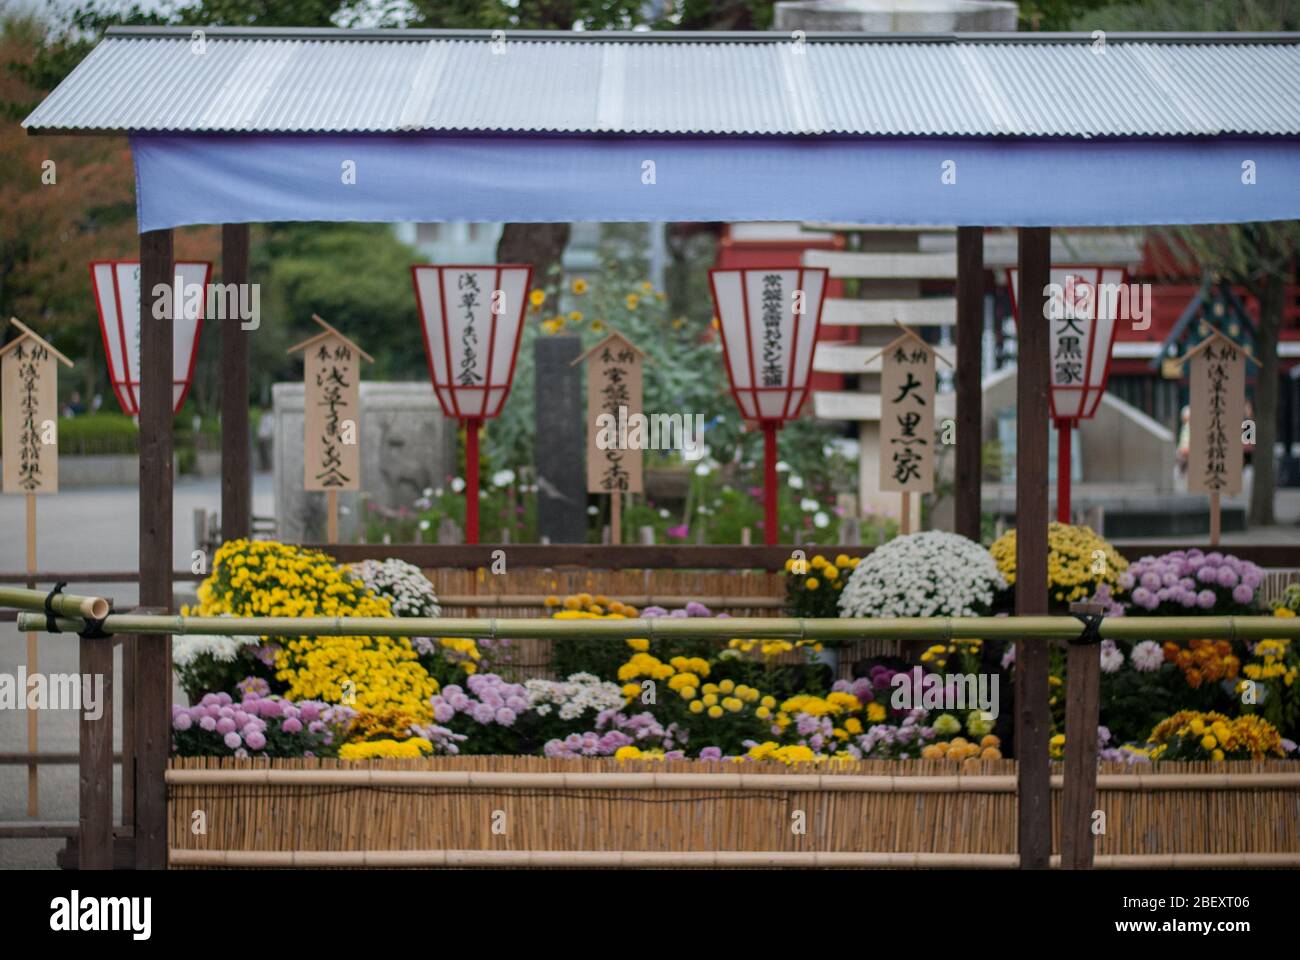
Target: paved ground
{"x": 96, "y": 530}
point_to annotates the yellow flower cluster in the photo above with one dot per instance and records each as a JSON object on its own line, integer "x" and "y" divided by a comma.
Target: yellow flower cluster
{"x": 380, "y": 676}
{"x": 645, "y": 665}
{"x": 462, "y": 651}
{"x": 585, "y": 606}
{"x": 1269, "y": 662}
{"x": 795, "y": 753}
{"x": 386, "y": 749}
{"x": 937, "y": 655}
{"x": 1078, "y": 561}
{"x": 959, "y": 748}
{"x": 772, "y": 648}
{"x": 1218, "y": 736}
{"x": 824, "y": 571}
{"x": 636, "y": 753}
{"x": 716, "y": 700}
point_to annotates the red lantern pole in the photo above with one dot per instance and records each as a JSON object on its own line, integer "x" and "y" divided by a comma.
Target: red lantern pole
{"x": 472, "y": 426}
{"x": 1063, "y": 471}
{"x": 769, "y": 482}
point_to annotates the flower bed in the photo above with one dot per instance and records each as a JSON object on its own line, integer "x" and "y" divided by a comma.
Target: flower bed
{"x": 742, "y": 700}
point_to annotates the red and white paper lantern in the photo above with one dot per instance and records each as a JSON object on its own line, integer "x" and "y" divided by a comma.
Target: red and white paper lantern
{"x": 472, "y": 318}
{"x": 769, "y": 320}
{"x": 117, "y": 298}
{"x": 1084, "y": 307}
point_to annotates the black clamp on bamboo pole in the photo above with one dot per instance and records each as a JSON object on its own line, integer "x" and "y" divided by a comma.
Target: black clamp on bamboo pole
{"x": 1080, "y": 819}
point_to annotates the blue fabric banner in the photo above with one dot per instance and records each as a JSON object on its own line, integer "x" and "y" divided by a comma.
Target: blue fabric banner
{"x": 195, "y": 179}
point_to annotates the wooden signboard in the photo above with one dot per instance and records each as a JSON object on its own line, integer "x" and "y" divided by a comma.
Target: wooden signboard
{"x": 29, "y": 417}
{"x": 331, "y": 416}
{"x": 614, "y": 397}
{"x": 1217, "y": 375}
{"x": 29, "y": 388}
{"x": 907, "y": 387}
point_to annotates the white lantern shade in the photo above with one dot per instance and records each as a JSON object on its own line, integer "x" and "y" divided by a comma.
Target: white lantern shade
{"x": 117, "y": 299}
{"x": 769, "y": 319}
{"x": 1084, "y": 306}
{"x": 472, "y": 319}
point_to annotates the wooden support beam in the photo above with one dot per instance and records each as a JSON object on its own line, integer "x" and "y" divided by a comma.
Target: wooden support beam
{"x": 152, "y": 682}
{"x": 1033, "y": 720}
{"x": 96, "y": 761}
{"x": 1083, "y": 672}
{"x": 236, "y": 468}
{"x": 970, "y": 332}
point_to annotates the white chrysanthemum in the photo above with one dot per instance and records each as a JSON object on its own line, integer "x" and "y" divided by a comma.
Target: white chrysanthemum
{"x": 408, "y": 591}
{"x": 185, "y": 649}
{"x": 930, "y": 574}
{"x": 575, "y": 696}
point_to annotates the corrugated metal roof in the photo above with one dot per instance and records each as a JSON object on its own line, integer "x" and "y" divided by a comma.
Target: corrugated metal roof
{"x": 322, "y": 81}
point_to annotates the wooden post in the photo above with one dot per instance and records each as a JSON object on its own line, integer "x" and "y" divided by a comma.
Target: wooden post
{"x": 1082, "y": 707}
{"x": 905, "y": 518}
{"x": 1216, "y": 518}
{"x": 1033, "y": 720}
{"x": 331, "y": 516}
{"x": 970, "y": 333}
{"x": 616, "y": 517}
{"x": 95, "y": 837}
{"x": 153, "y": 659}
{"x": 236, "y": 468}
{"x": 33, "y": 735}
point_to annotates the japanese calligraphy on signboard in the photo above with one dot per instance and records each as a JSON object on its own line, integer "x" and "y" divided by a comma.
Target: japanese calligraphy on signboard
{"x": 614, "y": 379}
{"x": 907, "y": 386}
{"x": 1217, "y": 371}
{"x": 332, "y": 410}
{"x": 29, "y": 400}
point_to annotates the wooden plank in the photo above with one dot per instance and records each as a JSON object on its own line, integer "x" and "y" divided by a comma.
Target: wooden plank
{"x": 153, "y": 669}
{"x": 849, "y": 405}
{"x": 236, "y": 466}
{"x": 884, "y": 266}
{"x": 1033, "y": 721}
{"x": 1083, "y": 672}
{"x": 96, "y": 762}
{"x": 592, "y": 556}
{"x": 970, "y": 394}
{"x": 87, "y": 576}
{"x": 33, "y": 729}
{"x": 925, "y": 312}
{"x": 21, "y": 758}
{"x": 836, "y": 357}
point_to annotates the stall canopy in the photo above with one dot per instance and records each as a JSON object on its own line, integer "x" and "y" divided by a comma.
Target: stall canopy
{"x": 232, "y": 125}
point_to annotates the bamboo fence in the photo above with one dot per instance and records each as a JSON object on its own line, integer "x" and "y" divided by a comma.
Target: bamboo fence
{"x": 437, "y": 812}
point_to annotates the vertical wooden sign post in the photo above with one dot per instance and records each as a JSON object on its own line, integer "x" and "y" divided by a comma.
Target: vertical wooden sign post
{"x": 907, "y": 386}
{"x": 29, "y": 402}
{"x": 616, "y": 427}
{"x": 331, "y": 450}
{"x": 1217, "y": 375}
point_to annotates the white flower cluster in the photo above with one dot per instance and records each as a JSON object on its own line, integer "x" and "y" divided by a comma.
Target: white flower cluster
{"x": 930, "y": 574}
{"x": 186, "y": 649}
{"x": 580, "y": 693}
{"x": 409, "y": 592}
